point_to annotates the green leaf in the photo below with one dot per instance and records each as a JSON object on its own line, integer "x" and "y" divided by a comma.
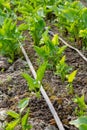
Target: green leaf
{"x": 12, "y": 124}
{"x": 62, "y": 61}
{"x": 23, "y": 104}
{"x": 80, "y": 121}
{"x": 83, "y": 127}
{"x": 41, "y": 71}
{"x": 13, "y": 114}
{"x": 70, "y": 14}
{"x": 81, "y": 102}
{"x": 40, "y": 51}
{"x": 83, "y": 33}
{"x": 61, "y": 50}
{"x": 32, "y": 83}
{"x": 25, "y": 120}
{"x": 71, "y": 76}
{"x": 22, "y": 27}
{"x": 55, "y": 40}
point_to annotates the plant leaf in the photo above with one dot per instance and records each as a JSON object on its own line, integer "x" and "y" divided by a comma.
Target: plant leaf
{"x": 55, "y": 40}
{"x": 23, "y": 104}
{"x": 25, "y": 120}
{"x": 13, "y": 114}
{"x": 41, "y": 71}
{"x": 71, "y": 76}
{"x": 83, "y": 127}
{"x": 80, "y": 121}
{"x": 32, "y": 83}
{"x": 12, "y": 124}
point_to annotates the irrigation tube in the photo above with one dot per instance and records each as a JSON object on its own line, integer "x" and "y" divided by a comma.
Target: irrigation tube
{"x": 54, "y": 113}
{"x": 83, "y": 57}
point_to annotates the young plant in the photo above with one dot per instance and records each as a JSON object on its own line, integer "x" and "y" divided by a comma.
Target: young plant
{"x": 18, "y": 118}
{"x": 62, "y": 69}
{"x": 81, "y": 109}
{"x": 71, "y": 78}
{"x": 9, "y": 38}
{"x": 35, "y": 84}
{"x": 33, "y": 17}
{"x": 80, "y": 123}
{"x": 36, "y": 27}
{"x": 83, "y": 35}
{"x": 49, "y": 50}
{"x": 72, "y": 17}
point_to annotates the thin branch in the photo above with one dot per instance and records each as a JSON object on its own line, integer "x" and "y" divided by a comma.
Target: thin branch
{"x": 54, "y": 113}
{"x": 63, "y": 41}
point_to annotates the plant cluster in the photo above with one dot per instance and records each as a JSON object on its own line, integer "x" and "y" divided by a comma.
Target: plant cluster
{"x": 9, "y": 37}
{"x": 71, "y": 18}
{"x": 19, "y": 118}
{"x": 49, "y": 50}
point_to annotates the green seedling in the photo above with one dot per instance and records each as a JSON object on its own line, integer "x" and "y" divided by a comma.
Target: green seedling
{"x": 9, "y": 38}
{"x": 50, "y": 50}
{"x": 80, "y": 123}
{"x": 36, "y": 27}
{"x": 81, "y": 109}
{"x": 35, "y": 84}
{"x": 18, "y": 119}
{"x": 71, "y": 78}
{"x": 33, "y": 17}
{"x": 72, "y": 17}
{"x": 62, "y": 69}
{"x": 83, "y": 35}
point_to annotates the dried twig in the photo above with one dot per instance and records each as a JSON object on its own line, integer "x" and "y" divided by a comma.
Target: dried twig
{"x": 54, "y": 113}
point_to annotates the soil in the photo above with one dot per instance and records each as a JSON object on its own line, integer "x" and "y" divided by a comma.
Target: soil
{"x": 13, "y": 87}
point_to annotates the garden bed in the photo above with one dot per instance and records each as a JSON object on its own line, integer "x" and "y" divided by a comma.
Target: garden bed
{"x": 13, "y": 87}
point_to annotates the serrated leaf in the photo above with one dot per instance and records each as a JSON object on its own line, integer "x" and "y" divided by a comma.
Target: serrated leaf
{"x": 23, "y": 104}
{"x": 13, "y": 114}
{"x": 41, "y": 71}
{"x": 55, "y": 40}
{"x": 12, "y": 124}
{"x": 71, "y": 76}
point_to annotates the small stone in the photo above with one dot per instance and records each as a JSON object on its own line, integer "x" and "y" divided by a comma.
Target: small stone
{"x": 3, "y": 114}
{"x": 51, "y": 127}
